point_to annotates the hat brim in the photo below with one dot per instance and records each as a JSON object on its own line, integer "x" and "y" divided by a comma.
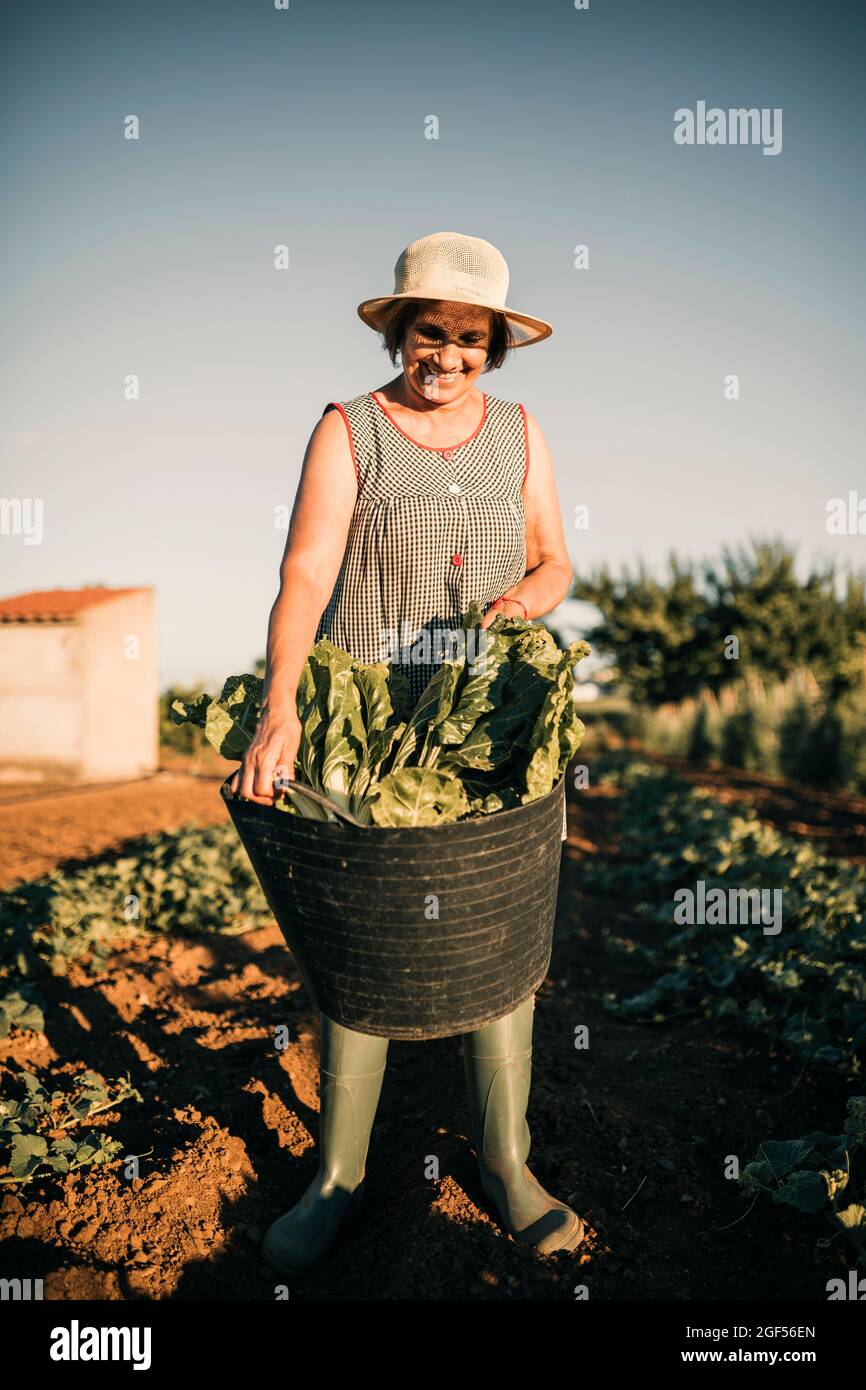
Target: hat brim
{"x": 524, "y": 328}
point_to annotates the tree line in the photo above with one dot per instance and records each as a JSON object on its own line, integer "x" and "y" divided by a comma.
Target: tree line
{"x": 704, "y": 624}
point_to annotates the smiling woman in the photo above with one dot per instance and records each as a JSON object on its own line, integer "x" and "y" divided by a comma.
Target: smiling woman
{"x": 417, "y": 500}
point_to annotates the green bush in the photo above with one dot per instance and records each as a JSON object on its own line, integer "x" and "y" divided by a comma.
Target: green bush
{"x": 838, "y": 753}
{"x": 702, "y": 746}
{"x": 636, "y": 723}
{"x": 783, "y": 730}
{"x": 795, "y": 732}
{"x": 851, "y": 708}
{"x": 824, "y": 759}
{"x": 747, "y": 737}
{"x": 824, "y": 744}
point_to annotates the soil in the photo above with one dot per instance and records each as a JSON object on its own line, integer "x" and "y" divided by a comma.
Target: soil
{"x": 60, "y": 826}
{"x": 633, "y": 1131}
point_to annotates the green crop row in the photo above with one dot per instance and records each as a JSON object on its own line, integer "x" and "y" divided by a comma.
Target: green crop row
{"x": 191, "y": 880}
{"x": 805, "y": 983}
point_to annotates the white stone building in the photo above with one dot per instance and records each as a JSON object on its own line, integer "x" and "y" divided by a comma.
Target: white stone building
{"x": 78, "y": 685}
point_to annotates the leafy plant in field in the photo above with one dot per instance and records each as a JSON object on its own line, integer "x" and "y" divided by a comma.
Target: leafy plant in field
{"x": 807, "y": 984}
{"x": 18, "y": 1009}
{"x": 187, "y": 880}
{"x": 487, "y": 733}
{"x": 818, "y": 1173}
{"x": 36, "y": 1131}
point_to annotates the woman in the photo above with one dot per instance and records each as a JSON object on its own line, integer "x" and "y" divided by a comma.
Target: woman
{"x": 415, "y": 499}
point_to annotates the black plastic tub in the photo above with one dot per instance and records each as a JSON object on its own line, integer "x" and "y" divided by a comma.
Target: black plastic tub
{"x": 412, "y": 933}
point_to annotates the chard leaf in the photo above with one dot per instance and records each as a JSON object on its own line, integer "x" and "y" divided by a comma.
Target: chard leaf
{"x": 379, "y": 745}
{"x": 377, "y": 710}
{"x": 345, "y": 737}
{"x": 295, "y": 802}
{"x": 376, "y": 696}
{"x": 239, "y": 692}
{"x": 418, "y": 796}
{"x": 473, "y": 616}
{"x": 571, "y": 732}
{"x": 224, "y": 734}
{"x": 433, "y": 703}
{"x": 507, "y": 717}
{"x": 401, "y": 693}
{"x": 528, "y": 643}
{"x": 492, "y": 741}
{"x": 229, "y": 722}
{"x": 313, "y": 725}
{"x": 447, "y": 691}
{"x": 542, "y": 769}
{"x": 486, "y": 805}
{"x": 485, "y": 680}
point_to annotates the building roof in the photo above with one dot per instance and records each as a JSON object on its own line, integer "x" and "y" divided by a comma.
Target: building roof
{"x": 57, "y": 605}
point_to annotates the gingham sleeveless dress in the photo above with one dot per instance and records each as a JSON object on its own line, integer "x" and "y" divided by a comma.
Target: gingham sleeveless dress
{"x": 433, "y": 528}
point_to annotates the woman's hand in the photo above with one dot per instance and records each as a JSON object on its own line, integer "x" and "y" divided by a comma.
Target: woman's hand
{"x": 510, "y": 608}
{"x": 273, "y": 750}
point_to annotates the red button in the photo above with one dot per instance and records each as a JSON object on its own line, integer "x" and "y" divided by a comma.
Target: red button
{"x": 447, "y": 453}
{"x": 457, "y": 559}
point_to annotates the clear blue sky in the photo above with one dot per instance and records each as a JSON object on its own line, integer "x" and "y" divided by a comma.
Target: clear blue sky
{"x": 306, "y": 127}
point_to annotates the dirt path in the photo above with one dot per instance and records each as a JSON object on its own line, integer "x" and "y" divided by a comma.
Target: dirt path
{"x": 61, "y": 827}
{"x": 633, "y": 1131}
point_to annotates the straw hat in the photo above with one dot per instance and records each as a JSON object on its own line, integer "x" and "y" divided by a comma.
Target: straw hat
{"x": 463, "y": 269}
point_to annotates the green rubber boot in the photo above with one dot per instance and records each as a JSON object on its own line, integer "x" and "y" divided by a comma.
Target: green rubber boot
{"x": 498, "y": 1064}
{"x": 351, "y": 1069}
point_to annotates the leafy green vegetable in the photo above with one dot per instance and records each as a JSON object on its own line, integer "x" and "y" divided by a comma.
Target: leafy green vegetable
{"x": 19, "y": 1010}
{"x": 33, "y": 1130}
{"x": 494, "y": 728}
{"x": 418, "y": 796}
{"x": 228, "y": 722}
{"x": 553, "y": 732}
{"x": 818, "y": 1173}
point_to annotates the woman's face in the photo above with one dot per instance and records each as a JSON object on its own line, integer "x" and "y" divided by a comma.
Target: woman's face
{"x": 445, "y": 349}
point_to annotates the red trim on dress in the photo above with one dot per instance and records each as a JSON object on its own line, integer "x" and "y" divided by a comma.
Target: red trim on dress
{"x": 337, "y": 406}
{"x": 526, "y": 445}
{"x": 435, "y": 448}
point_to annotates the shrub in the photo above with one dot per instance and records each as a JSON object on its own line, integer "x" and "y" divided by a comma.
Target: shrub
{"x": 747, "y": 736}
{"x": 702, "y": 747}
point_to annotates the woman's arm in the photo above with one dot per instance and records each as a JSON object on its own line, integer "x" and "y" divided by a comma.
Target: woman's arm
{"x": 548, "y": 568}
{"x": 311, "y": 562}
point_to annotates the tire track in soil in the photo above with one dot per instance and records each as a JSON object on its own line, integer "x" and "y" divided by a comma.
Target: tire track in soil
{"x": 632, "y": 1132}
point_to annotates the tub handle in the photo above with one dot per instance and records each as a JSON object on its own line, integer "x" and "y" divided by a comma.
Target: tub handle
{"x": 311, "y": 794}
